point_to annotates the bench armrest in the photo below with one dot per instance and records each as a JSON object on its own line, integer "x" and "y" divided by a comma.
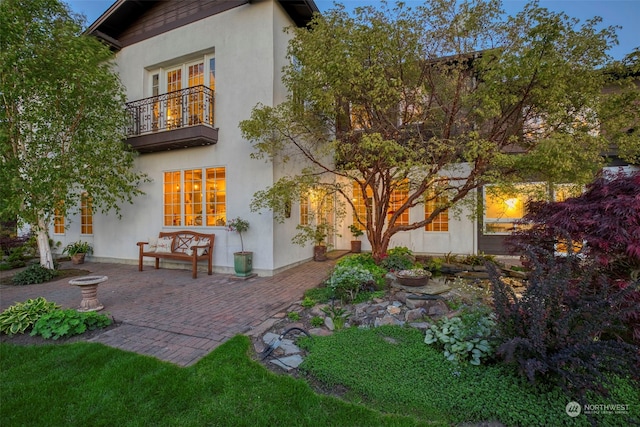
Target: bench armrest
{"x": 142, "y": 243}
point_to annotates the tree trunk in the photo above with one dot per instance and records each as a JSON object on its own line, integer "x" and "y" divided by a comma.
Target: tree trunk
{"x": 46, "y": 258}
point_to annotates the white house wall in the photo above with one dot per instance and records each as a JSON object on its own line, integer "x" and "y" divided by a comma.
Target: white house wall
{"x": 249, "y": 48}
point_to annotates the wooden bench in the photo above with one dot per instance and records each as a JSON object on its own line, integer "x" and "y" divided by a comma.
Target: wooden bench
{"x": 181, "y": 246}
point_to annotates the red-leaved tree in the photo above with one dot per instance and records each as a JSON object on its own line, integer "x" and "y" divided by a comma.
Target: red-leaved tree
{"x": 603, "y": 224}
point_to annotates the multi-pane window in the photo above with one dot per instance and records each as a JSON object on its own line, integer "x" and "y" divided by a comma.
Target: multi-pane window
{"x": 441, "y": 221}
{"x": 172, "y": 199}
{"x": 58, "y": 222}
{"x": 399, "y": 196}
{"x": 360, "y": 206}
{"x": 196, "y": 99}
{"x": 185, "y": 101}
{"x": 195, "y": 197}
{"x": 305, "y": 210}
{"x": 86, "y": 215}
{"x": 216, "y": 202}
{"x": 174, "y": 103}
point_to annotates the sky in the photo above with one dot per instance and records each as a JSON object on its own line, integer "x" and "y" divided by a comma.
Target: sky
{"x": 622, "y": 13}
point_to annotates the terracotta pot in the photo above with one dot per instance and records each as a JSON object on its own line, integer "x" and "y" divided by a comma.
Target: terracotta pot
{"x": 356, "y": 246}
{"x": 77, "y": 259}
{"x": 319, "y": 253}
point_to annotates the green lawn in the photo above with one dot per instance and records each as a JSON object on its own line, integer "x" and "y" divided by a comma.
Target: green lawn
{"x": 385, "y": 369}
{"x": 87, "y": 384}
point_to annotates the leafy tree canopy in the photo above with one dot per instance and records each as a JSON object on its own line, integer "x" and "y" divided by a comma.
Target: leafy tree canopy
{"x": 434, "y": 102}
{"x": 62, "y": 118}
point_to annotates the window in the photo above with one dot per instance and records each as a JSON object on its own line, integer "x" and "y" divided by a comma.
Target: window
{"x": 195, "y": 197}
{"x": 359, "y": 117}
{"x": 305, "y": 210}
{"x": 441, "y": 221}
{"x": 58, "y": 222}
{"x": 502, "y": 209}
{"x": 359, "y": 203}
{"x": 176, "y": 106}
{"x": 399, "y": 196}
{"x": 86, "y": 215}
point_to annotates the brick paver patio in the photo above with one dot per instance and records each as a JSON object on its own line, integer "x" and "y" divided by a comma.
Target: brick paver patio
{"x": 167, "y": 314}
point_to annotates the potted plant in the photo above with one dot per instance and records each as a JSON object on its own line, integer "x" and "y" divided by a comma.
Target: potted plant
{"x": 356, "y": 245}
{"x": 315, "y": 234}
{"x": 77, "y": 251}
{"x": 243, "y": 260}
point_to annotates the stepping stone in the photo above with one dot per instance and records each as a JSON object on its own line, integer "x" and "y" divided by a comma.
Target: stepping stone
{"x": 288, "y": 363}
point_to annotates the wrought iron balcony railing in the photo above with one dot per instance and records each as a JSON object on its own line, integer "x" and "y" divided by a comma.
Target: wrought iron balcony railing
{"x": 182, "y": 108}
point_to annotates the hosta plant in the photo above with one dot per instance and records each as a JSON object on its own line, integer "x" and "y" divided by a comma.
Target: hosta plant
{"x": 469, "y": 337}
{"x": 21, "y": 316}
{"x": 66, "y": 323}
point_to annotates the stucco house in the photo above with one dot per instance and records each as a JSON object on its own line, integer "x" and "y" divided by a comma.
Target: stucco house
{"x": 193, "y": 70}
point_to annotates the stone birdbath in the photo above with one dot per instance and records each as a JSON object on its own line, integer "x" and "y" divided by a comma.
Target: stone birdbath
{"x": 89, "y": 287}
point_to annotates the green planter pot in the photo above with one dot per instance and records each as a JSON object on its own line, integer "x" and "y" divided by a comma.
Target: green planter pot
{"x": 243, "y": 263}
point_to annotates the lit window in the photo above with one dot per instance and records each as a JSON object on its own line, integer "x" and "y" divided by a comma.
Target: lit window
{"x": 399, "y": 196}
{"x": 503, "y": 209}
{"x": 58, "y": 222}
{"x": 216, "y": 197}
{"x": 86, "y": 215}
{"x": 359, "y": 203}
{"x": 189, "y": 200}
{"x": 305, "y": 210}
{"x": 441, "y": 221}
{"x": 359, "y": 117}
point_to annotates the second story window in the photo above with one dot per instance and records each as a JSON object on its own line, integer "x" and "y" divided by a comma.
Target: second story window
{"x": 176, "y": 96}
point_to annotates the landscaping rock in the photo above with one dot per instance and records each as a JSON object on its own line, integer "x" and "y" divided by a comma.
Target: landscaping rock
{"x": 415, "y": 314}
{"x": 328, "y": 322}
{"x": 288, "y": 363}
{"x": 437, "y": 309}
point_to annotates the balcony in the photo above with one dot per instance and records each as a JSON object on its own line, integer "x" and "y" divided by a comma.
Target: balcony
{"x": 173, "y": 120}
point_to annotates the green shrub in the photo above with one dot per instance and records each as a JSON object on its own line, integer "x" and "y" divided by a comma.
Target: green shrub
{"x": 34, "y": 274}
{"x": 469, "y": 337}
{"x": 346, "y": 281}
{"x": 19, "y": 317}
{"x": 339, "y": 315}
{"x": 308, "y": 302}
{"x": 16, "y": 258}
{"x": 66, "y": 323}
{"x": 434, "y": 264}
{"x": 321, "y": 294}
{"x": 479, "y": 259}
{"x": 293, "y": 316}
{"x": 398, "y": 258}
{"x": 317, "y": 321}
{"x": 366, "y": 261}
